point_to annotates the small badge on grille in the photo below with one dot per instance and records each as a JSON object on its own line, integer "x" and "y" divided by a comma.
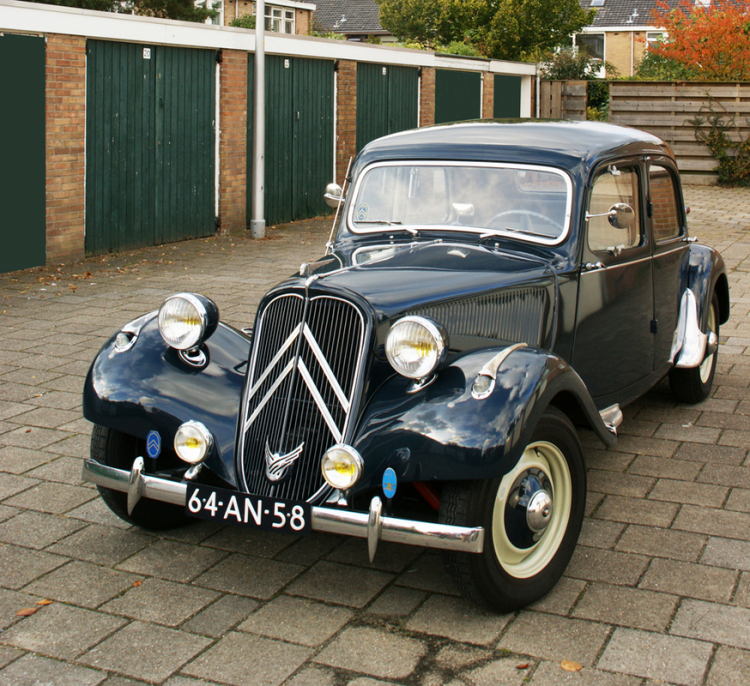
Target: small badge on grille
{"x": 277, "y": 465}
{"x": 153, "y": 444}
{"x": 389, "y": 483}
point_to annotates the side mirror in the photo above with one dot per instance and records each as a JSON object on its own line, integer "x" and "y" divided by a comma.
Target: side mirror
{"x": 620, "y": 215}
{"x": 334, "y": 196}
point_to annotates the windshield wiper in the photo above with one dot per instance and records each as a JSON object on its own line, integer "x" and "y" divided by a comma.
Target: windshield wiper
{"x": 526, "y": 233}
{"x": 412, "y": 231}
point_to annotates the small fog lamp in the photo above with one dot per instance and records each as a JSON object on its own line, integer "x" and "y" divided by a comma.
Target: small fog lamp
{"x": 192, "y": 442}
{"x": 483, "y": 386}
{"x": 123, "y": 341}
{"x": 341, "y": 466}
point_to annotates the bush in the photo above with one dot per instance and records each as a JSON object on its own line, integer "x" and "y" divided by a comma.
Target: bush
{"x": 246, "y": 21}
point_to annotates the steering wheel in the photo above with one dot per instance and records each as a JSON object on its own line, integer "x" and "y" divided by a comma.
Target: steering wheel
{"x": 527, "y": 215}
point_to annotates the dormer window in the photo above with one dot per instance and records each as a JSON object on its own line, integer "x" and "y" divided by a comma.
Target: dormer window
{"x": 597, "y": 3}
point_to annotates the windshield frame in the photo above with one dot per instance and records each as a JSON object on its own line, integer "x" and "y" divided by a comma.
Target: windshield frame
{"x": 386, "y": 228}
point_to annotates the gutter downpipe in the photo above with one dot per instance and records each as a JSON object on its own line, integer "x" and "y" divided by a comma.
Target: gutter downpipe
{"x": 257, "y": 221}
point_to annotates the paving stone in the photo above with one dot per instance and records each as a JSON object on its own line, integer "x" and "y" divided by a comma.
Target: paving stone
{"x": 671, "y": 468}
{"x": 173, "y": 561}
{"x": 501, "y": 671}
{"x": 33, "y": 437}
{"x": 723, "y": 552}
{"x": 600, "y": 481}
{"x": 721, "y": 624}
{"x": 19, "y": 460}
{"x": 65, "y": 470}
{"x": 37, "y": 530}
{"x": 726, "y": 475}
{"x": 53, "y": 498}
{"x": 457, "y": 656}
{"x": 309, "y": 549}
{"x": 742, "y": 596}
{"x": 219, "y": 617}
{"x": 597, "y": 533}
{"x": 730, "y": 667}
{"x": 11, "y": 484}
{"x": 343, "y": 584}
{"x": 19, "y": 566}
{"x": 59, "y": 400}
{"x": 256, "y": 577}
{"x": 391, "y": 557}
{"x": 160, "y": 602}
{"x": 185, "y": 681}
{"x": 73, "y": 446}
{"x": 552, "y": 674}
{"x": 609, "y": 460}
{"x": 627, "y": 607}
{"x": 61, "y": 631}
{"x": 739, "y": 500}
{"x": 691, "y": 580}
{"x": 46, "y": 417}
{"x": 561, "y": 598}
{"x": 665, "y": 658}
{"x": 374, "y": 652}
{"x": 318, "y": 676}
{"x": 102, "y": 545}
{"x": 555, "y": 638}
{"x": 10, "y": 603}
{"x": 674, "y": 545}
{"x": 7, "y": 655}
{"x": 81, "y": 583}
{"x": 297, "y": 620}
{"x": 396, "y": 601}
{"x": 96, "y": 512}
{"x": 457, "y": 619}
{"x": 739, "y": 439}
{"x": 34, "y": 670}
{"x": 713, "y": 522}
{"x": 637, "y": 511}
{"x": 647, "y": 446}
{"x": 683, "y": 492}
{"x": 428, "y": 573}
{"x": 249, "y": 541}
{"x": 160, "y": 651}
{"x": 609, "y": 566}
{"x": 246, "y": 660}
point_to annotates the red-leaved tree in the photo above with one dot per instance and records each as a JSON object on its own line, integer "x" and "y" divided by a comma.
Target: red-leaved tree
{"x": 712, "y": 40}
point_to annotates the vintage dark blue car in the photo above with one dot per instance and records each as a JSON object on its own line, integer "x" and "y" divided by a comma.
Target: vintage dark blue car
{"x": 488, "y": 288}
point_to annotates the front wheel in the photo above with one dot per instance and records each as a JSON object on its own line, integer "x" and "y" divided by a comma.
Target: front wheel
{"x": 116, "y": 449}
{"x": 532, "y": 517}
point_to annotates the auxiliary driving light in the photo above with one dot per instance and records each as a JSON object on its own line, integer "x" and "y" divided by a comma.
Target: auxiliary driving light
{"x": 193, "y": 442}
{"x": 341, "y": 466}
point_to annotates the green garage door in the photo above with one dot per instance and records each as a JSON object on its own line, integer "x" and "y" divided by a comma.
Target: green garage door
{"x": 458, "y": 95}
{"x": 387, "y": 101}
{"x": 149, "y": 145}
{"x": 507, "y": 103}
{"x": 22, "y": 172}
{"x": 299, "y": 137}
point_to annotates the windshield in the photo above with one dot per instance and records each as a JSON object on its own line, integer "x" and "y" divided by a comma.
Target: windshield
{"x": 531, "y": 203}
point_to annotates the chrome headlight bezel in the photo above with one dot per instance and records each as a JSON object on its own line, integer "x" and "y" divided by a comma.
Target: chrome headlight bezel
{"x": 204, "y": 312}
{"x": 198, "y": 431}
{"x": 435, "y": 334}
{"x": 349, "y": 455}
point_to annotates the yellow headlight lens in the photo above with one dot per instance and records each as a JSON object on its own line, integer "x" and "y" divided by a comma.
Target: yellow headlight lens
{"x": 192, "y": 442}
{"x": 416, "y": 346}
{"x": 341, "y": 466}
{"x": 182, "y": 321}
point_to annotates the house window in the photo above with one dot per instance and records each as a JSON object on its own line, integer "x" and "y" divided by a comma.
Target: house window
{"x": 597, "y": 3}
{"x": 592, "y": 44}
{"x": 278, "y": 19}
{"x": 217, "y": 5}
{"x": 653, "y": 37}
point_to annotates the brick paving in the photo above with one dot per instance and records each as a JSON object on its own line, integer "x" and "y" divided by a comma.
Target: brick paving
{"x": 658, "y": 590}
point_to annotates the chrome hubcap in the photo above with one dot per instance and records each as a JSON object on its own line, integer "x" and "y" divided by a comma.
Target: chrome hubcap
{"x": 539, "y": 511}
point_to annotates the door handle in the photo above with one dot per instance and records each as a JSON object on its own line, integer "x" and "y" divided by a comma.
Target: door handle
{"x": 593, "y": 266}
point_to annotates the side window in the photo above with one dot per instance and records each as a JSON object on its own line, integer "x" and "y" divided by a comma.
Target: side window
{"x": 665, "y": 215}
{"x": 611, "y": 187}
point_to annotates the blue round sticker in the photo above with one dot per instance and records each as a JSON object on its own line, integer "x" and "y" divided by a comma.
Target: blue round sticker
{"x": 389, "y": 483}
{"x": 153, "y": 444}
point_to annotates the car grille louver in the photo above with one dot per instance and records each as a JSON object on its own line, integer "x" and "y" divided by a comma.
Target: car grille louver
{"x": 303, "y": 373}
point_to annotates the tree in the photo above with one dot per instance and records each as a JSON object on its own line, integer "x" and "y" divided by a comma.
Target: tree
{"x": 710, "y": 42}
{"x": 184, "y": 10}
{"x": 499, "y": 29}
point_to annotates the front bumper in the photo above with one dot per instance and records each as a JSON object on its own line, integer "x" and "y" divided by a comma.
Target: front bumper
{"x": 372, "y": 526}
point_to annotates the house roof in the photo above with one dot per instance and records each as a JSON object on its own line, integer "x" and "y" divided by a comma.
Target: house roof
{"x": 623, "y": 13}
{"x": 349, "y": 16}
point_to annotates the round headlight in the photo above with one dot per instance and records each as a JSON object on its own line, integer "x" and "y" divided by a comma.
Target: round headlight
{"x": 416, "y": 346}
{"x": 192, "y": 442}
{"x": 186, "y": 320}
{"x": 341, "y": 466}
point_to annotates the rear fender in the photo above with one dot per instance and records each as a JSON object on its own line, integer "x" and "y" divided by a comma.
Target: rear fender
{"x": 442, "y": 432}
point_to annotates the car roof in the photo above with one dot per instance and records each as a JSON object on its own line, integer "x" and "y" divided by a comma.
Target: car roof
{"x": 566, "y": 144}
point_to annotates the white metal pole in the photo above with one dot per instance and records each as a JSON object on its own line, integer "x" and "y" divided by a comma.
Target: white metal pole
{"x": 257, "y": 220}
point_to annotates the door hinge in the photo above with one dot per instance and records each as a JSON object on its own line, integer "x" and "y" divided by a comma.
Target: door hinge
{"x": 654, "y": 326}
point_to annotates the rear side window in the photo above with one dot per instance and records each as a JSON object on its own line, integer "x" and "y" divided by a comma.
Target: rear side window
{"x": 665, "y": 215}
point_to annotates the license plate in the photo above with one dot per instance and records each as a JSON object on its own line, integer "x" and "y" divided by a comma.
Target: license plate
{"x": 243, "y": 509}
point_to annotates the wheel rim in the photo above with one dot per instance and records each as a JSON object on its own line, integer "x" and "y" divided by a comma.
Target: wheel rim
{"x": 708, "y": 362}
{"x": 521, "y": 551}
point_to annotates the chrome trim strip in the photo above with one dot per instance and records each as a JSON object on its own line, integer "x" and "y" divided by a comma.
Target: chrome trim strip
{"x": 287, "y": 344}
{"x": 611, "y": 267}
{"x": 335, "y": 387}
{"x": 319, "y": 402}
{"x": 689, "y": 342}
{"x": 411, "y": 532}
{"x": 286, "y": 372}
{"x": 490, "y": 369}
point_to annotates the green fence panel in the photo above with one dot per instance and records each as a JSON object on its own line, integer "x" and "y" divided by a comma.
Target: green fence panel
{"x": 150, "y": 140}
{"x": 507, "y": 104}
{"x": 387, "y": 101}
{"x": 299, "y": 137}
{"x": 458, "y": 95}
{"x": 22, "y": 172}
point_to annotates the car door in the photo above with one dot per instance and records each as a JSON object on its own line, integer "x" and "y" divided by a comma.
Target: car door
{"x": 671, "y": 252}
{"x": 614, "y": 343}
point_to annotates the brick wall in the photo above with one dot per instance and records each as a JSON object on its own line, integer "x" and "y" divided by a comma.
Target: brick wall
{"x": 346, "y": 117}
{"x": 488, "y": 95}
{"x": 233, "y": 142}
{"x": 65, "y": 146}
{"x": 427, "y": 97}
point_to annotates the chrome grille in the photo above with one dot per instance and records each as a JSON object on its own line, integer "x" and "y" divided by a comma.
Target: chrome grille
{"x": 303, "y": 375}
{"x": 513, "y": 316}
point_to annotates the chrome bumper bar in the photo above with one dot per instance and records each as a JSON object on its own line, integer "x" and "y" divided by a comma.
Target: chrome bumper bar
{"x": 372, "y": 526}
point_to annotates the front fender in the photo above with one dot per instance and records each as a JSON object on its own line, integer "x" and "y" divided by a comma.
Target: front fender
{"x": 442, "y": 432}
{"x": 150, "y": 387}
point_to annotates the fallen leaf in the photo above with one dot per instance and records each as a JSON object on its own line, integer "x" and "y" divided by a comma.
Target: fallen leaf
{"x": 26, "y": 612}
{"x": 28, "y": 431}
{"x": 138, "y": 583}
{"x": 523, "y": 665}
{"x": 570, "y": 666}
{"x": 44, "y": 601}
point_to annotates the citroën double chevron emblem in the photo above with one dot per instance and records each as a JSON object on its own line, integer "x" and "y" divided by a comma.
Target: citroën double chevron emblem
{"x": 277, "y": 465}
